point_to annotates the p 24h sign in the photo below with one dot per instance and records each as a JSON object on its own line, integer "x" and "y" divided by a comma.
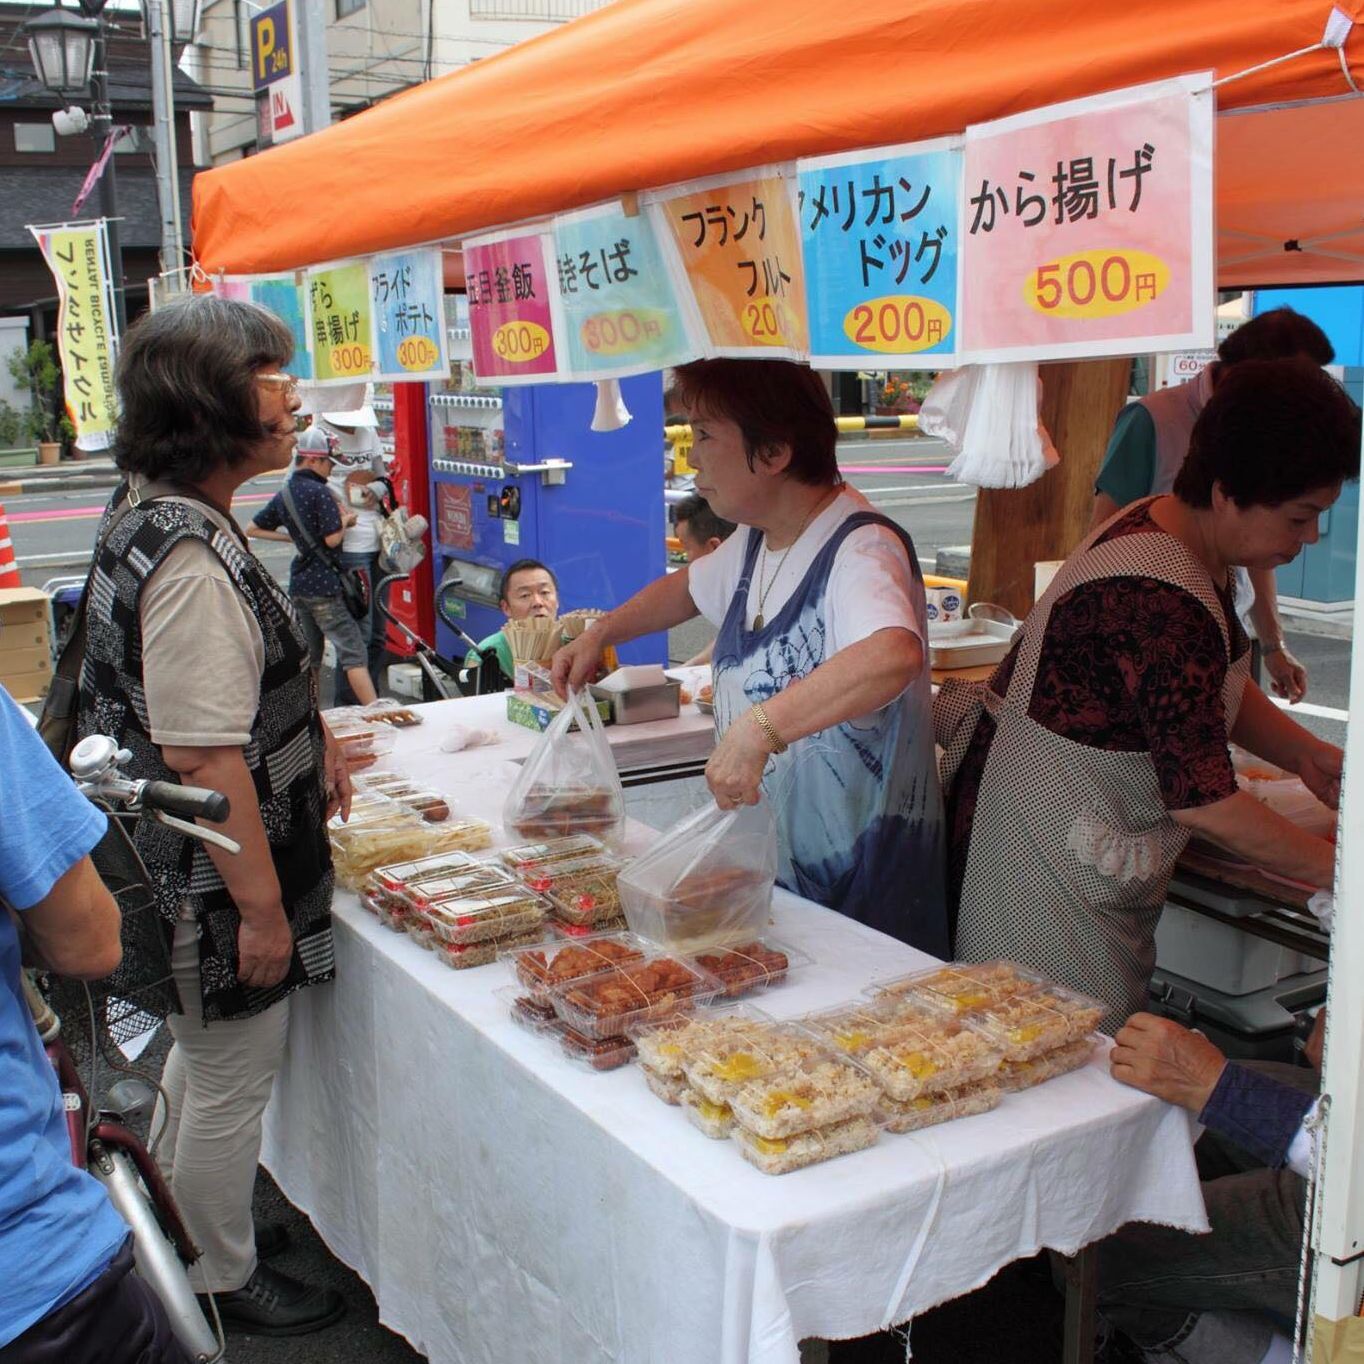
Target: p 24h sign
{"x": 275, "y": 76}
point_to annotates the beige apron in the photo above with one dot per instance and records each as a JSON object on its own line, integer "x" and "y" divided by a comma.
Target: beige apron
{"x": 1072, "y": 847}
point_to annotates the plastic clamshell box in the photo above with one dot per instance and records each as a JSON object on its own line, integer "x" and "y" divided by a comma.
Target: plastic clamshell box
{"x": 911, "y": 1049}
{"x": 792, "y": 1101}
{"x": 480, "y": 916}
{"x": 539, "y": 969}
{"x": 587, "y": 901}
{"x": 479, "y": 876}
{"x": 357, "y": 852}
{"x": 928, "y": 1110}
{"x": 596, "y": 1053}
{"x": 669, "y": 1088}
{"x": 963, "y": 986}
{"x": 539, "y": 854}
{"x": 702, "y": 909}
{"x": 561, "y": 811}
{"x": 1017, "y": 1075}
{"x": 615, "y": 924}
{"x": 398, "y": 875}
{"x": 1032, "y": 1025}
{"x": 779, "y": 1156}
{"x": 722, "y": 1061}
{"x": 610, "y": 1002}
{"x": 746, "y": 967}
{"x": 715, "y": 1121}
{"x": 666, "y": 1045}
{"x": 549, "y": 877}
{"x": 463, "y": 956}
{"x": 526, "y": 1011}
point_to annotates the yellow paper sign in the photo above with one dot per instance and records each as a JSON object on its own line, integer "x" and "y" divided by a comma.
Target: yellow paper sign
{"x": 339, "y": 322}
{"x": 86, "y": 335}
{"x": 739, "y": 246}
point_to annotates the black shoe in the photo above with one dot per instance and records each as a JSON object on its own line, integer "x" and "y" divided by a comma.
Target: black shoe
{"x": 271, "y": 1240}
{"x": 273, "y": 1304}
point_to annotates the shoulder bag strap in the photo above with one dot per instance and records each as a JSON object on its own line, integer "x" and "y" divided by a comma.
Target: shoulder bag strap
{"x": 314, "y": 547}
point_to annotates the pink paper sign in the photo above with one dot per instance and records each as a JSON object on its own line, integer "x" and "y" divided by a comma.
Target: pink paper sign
{"x": 1088, "y": 227}
{"x": 510, "y": 304}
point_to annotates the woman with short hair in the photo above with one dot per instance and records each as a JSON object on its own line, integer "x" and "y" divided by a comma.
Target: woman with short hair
{"x": 196, "y": 665}
{"x": 821, "y": 673}
{"x": 1076, "y": 776}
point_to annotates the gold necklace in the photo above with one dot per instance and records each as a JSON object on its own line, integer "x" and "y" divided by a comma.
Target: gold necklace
{"x": 762, "y": 562}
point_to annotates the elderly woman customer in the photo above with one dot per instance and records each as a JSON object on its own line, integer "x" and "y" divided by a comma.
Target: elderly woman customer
{"x": 195, "y": 664}
{"x": 820, "y": 671}
{"x": 1076, "y": 776}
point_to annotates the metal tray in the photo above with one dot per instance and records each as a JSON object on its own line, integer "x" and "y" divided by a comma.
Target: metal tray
{"x": 969, "y": 643}
{"x": 644, "y": 703}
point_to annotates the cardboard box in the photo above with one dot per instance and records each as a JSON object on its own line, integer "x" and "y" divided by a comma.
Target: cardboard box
{"x": 24, "y": 634}
{"x": 34, "y": 658}
{"x": 25, "y": 687}
{"x": 21, "y": 604}
{"x": 536, "y": 711}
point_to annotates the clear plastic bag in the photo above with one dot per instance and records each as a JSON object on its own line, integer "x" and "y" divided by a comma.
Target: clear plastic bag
{"x": 708, "y": 880}
{"x": 569, "y": 784}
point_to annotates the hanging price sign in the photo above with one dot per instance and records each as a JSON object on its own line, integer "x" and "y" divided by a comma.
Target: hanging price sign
{"x": 406, "y": 290}
{"x": 340, "y": 322}
{"x": 512, "y": 302}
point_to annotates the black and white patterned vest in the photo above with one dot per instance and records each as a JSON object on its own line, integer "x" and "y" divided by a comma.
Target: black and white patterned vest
{"x": 285, "y": 753}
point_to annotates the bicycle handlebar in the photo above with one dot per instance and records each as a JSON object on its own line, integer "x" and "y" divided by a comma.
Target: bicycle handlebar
{"x": 190, "y": 802}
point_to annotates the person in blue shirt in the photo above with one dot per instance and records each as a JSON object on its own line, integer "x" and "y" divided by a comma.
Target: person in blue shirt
{"x": 66, "y": 1291}
{"x": 314, "y": 586}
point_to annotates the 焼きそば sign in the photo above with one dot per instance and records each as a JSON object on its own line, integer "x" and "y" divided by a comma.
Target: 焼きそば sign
{"x": 880, "y": 232}
{"x": 735, "y": 247}
{"x": 1088, "y": 227}
{"x": 620, "y": 313}
{"x": 511, "y": 307}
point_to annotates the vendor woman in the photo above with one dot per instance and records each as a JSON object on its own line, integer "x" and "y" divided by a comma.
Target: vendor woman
{"x": 821, "y": 679}
{"x": 1076, "y": 776}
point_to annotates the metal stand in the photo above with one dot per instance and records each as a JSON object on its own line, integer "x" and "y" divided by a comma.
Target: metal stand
{"x": 1081, "y": 1275}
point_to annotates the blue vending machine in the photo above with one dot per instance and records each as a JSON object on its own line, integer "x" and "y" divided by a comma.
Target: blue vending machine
{"x": 517, "y": 473}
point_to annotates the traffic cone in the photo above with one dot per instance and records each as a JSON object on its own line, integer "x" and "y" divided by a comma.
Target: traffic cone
{"x": 9, "y": 568}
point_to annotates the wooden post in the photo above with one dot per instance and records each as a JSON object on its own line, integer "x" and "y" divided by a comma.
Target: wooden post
{"x": 1015, "y": 527}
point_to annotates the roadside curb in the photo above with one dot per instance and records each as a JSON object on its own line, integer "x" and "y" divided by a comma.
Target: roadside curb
{"x": 66, "y": 482}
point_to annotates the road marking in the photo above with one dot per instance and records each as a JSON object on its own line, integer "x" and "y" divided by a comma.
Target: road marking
{"x": 1307, "y": 708}
{"x": 90, "y": 513}
{"x": 892, "y": 468}
{"x": 920, "y": 501}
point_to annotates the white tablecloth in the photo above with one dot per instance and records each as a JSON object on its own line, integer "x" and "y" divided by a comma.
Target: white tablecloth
{"x": 504, "y": 1204}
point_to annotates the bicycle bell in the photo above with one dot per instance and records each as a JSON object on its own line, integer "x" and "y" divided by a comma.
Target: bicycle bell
{"x": 95, "y": 757}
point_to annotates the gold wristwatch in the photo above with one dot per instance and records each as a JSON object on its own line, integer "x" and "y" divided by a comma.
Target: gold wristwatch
{"x": 774, "y": 741}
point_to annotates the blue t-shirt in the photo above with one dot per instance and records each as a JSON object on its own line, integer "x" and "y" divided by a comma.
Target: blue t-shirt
{"x": 58, "y": 1230}
{"x": 309, "y": 574}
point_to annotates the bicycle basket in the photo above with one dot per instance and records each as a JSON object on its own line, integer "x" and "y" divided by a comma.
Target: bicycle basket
{"x": 140, "y": 993}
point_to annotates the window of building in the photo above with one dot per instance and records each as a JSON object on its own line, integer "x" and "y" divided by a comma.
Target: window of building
{"x": 345, "y": 7}
{"x": 35, "y": 137}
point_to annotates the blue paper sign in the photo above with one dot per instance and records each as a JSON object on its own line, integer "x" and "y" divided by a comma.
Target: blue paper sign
{"x": 620, "y": 312}
{"x": 407, "y": 293}
{"x": 282, "y": 295}
{"x": 880, "y": 233}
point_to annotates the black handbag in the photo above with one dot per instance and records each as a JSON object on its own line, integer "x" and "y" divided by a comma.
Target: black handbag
{"x": 354, "y": 588}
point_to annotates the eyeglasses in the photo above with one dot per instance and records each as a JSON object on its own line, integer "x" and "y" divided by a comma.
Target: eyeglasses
{"x": 285, "y": 381}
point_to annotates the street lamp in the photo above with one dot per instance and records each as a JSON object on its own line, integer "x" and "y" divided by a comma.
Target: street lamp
{"x": 80, "y": 42}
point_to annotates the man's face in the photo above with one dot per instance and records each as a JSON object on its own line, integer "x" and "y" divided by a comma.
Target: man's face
{"x": 692, "y": 547}
{"x": 531, "y": 594}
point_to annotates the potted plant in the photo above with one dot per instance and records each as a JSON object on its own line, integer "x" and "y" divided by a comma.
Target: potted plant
{"x": 36, "y": 369}
{"x": 894, "y": 397}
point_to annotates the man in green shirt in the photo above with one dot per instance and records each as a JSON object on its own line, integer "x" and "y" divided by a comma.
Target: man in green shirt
{"x": 1151, "y": 438}
{"x": 529, "y": 590}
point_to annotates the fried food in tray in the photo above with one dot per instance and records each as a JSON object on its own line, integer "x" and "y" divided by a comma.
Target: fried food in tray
{"x": 1017, "y": 1075}
{"x": 543, "y": 967}
{"x": 462, "y": 956}
{"x": 930, "y": 1109}
{"x": 744, "y": 967}
{"x": 780, "y": 1155}
{"x": 816, "y": 1096}
{"x": 553, "y": 811}
{"x": 669, "y": 1088}
{"x": 357, "y": 852}
{"x": 606, "y": 1004}
{"x": 963, "y": 986}
{"x": 526, "y": 856}
{"x": 912, "y": 1051}
{"x": 599, "y": 1053}
{"x": 1035, "y": 1024}
{"x": 740, "y": 1052}
{"x": 714, "y": 1120}
{"x": 485, "y": 915}
{"x": 532, "y": 1014}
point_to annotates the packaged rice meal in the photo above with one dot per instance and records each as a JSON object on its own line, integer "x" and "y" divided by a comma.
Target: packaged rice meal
{"x": 779, "y": 1155}
{"x": 526, "y": 856}
{"x": 615, "y": 924}
{"x": 668, "y": 1045}
{"x": 606, "y": 1004}
{"x": 744, "y": 967}
{"x": 1034, "y": 1024}
{"x": 738, "y": 1053}
{"x": 927, "y": 1110}
{"x": 1016, "y": 1075}
{"x": 564, "y": 873}
{"x": 462, "y": 956}
{"x": 397, "y": 875}
{"x": 541, "y": 968}
{"x": 485, "y": 915}
{"x": 714, "y": 1120}
{"x": 421, "y": 892}
{"x": 963, "y": 986}
{"x": 421, "y": 933}
{"x": 588, "y": 901}
{"x": 792, "y": 1101}
{"x": 669, "y": 1088}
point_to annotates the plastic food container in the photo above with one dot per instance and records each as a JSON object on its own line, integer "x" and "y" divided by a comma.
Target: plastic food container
{"x": 485, "y": 916}
{"x": 778, "y": 1156}
{"x": 462, "y": 956}
{"x": 1032, "y": 1025}
{"x": 423, "y": 892}
{"x": 397, "y": 875}
{"x": 597, "y": 1053}
{"x": 615, "y": 924}
{"x": 669, "y": 1088}
{"x": 357, "y": 852}
{"x": 606, "y": 1004}
{"x": 540, "y": 969}
{"x": 930, "y": 1109}
{"x": 421, "y": 932}
{"x": 555, "y": 811}
{"x": 707, "y": 907}
{"x": 911, "y": 1049}
{"x": 568, "y": 872}
{"x": 714, "y": 1120}
{"x": 962, "y": 986}
{"x": 667, "y": 1045}
{"x": 745, "y": 967}
{"x": 587, "y": 900}
{"x": 739, "y": 1052}
{"x": 1016, "y": 1075}
{"x": 527, "y": 855}
{"x": 785, "y": 1103}
{"x": 529, "y": 1013}
{"x": 362, "y": 747}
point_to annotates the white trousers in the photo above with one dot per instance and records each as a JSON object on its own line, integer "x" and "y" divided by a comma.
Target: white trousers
{"x": 217, "y": 1080}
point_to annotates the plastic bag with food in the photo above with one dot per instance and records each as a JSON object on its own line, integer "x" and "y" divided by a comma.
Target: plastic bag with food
{"x": 708, "y": 880}
{"x": 569, "y": 783}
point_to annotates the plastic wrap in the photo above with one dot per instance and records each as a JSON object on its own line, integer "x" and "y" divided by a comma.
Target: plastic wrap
{"x": 1016, "y": 1075}
{"x": 963, "y": 986}
{"x": 606, "y": 1004}
{"x": 819, "y": 1096}
{"x": 930, "y": 1109}
{"x": 1038, "y": 1023}
{"x": 779, "y": 1156}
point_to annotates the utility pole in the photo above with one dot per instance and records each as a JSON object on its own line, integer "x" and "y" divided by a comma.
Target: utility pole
{"x": 101, "y": 125}
{"x": 163, "y": 128}
{"x": 310, "y": 21}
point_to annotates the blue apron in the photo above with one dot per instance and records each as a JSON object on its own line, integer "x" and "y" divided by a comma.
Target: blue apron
{"x": 858, "y": 806}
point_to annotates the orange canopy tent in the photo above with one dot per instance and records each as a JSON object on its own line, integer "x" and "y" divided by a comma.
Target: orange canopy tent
{"x": 649, "y": 92}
